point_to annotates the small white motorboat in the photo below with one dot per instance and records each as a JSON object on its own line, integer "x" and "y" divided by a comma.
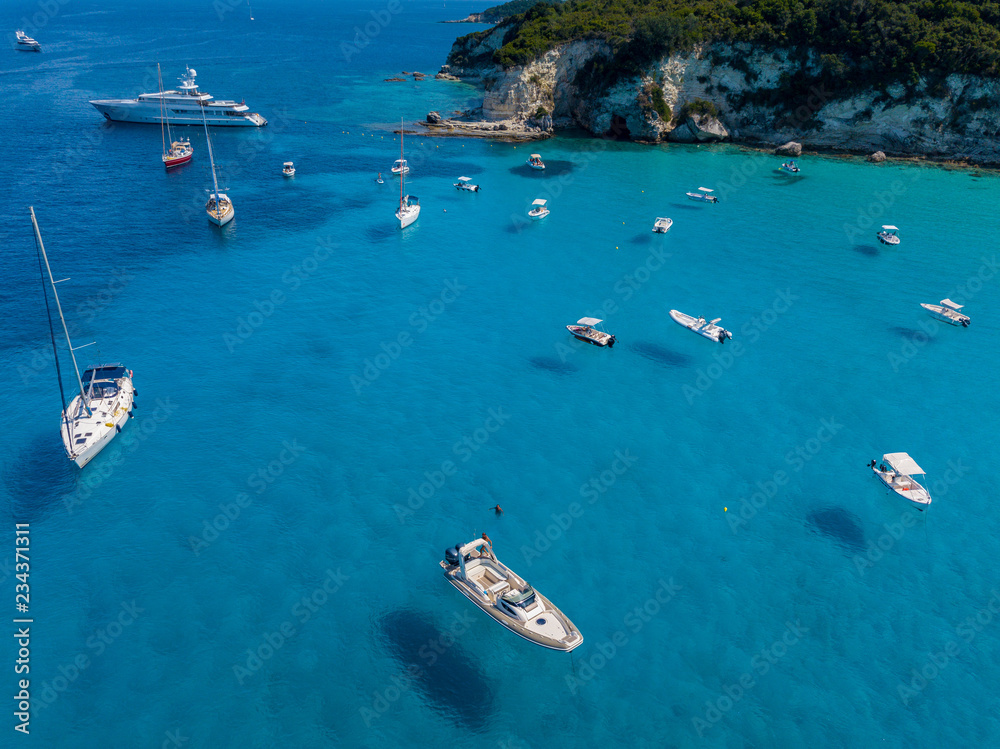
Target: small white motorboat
{"x": 586, "y": 330}
{"x": 789, "y": 167}
{"x": 26, "y": 44}
{"x": 538, "y": 209}
{"x": 535, "y": 161}
{"x": 399, "y": 166}
{"x": 288, "y": 169}
{"x": 948, "y": 311}
{"x": 888, "y": 235}
{"x": 704, "y": 195}
{"x": 474, "y": 569}
{"x": 662, "y": 225}
{"x": 896, "y": 472}
{"x": 706, "y": 328}
{"x": 465, "y": 183}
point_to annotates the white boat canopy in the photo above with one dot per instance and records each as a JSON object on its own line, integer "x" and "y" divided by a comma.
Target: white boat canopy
{"x": 465, "y": 179}
{"x": 288, "y": 163}
{"x": 949, "y": 303}
{"x": 536, "y": 156}
{"x": 539, "y": 201}
{"x": 903, "y": 463}
{"x": 890, "y": 228}
{"x": 706, "y": 189}
{"x": 588, "y": 321}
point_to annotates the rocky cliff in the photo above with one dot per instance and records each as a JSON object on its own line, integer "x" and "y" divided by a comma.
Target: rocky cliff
{"x": 731, "y": 92}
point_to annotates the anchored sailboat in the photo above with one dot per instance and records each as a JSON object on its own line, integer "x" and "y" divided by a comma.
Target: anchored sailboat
{"x": 219, "y": 207}
{"x": 180, "y": 150}
{"x": 409, "y": 205}
{"x": 107, "y": 395}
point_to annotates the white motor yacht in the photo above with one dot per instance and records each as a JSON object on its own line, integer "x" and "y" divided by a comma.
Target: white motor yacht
{"x": 288, "y": 169}
{"x": 896, "y": 472}
{"x": 708, "y": 329}
{"x": 185, "y": 106}
{"x": 704, "y": 195}
{"x": 662, "y": 225}
{"x": 535, "y": 161}
{"x": 948, "y": 311}
{"x": 474, "y": 569}
{"x": 888, "y": 235}
{"x": 97, "y": 414}
{"x": 399, "y": 166}
{"x": 538, "y": 209}
{"x": 465, "y": 183}
{"x": 26, "y": 44}
{"x": 586, "y": 330}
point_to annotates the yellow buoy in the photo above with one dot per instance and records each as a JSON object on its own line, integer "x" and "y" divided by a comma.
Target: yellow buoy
{"x": 725, "y": 509}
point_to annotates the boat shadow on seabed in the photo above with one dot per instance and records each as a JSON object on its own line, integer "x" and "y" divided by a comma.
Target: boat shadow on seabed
{"x": 435, "y": 667}
{"x": 37, "y": 478}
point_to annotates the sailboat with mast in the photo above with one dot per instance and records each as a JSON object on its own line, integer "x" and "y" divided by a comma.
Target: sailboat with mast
{"x": 219, "y": 207}
{"x": 180, "y": 150}
{"x": 409, "y": 205}
{"x": 107, "y": 395}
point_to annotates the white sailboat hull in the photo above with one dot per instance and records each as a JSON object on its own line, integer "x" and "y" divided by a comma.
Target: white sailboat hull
{"x": 407, "y": 216}
{"x": 85, "y": 436}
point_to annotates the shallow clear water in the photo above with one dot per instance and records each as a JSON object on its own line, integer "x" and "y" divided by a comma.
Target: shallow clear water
{"x": 344, "y": 400}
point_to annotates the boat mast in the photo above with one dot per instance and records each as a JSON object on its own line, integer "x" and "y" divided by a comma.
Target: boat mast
{"x": 215, "y": 182}
{"x": 159, "y": 78}
{"x": 38, "y": 236}
{"x": 402, "y": 164}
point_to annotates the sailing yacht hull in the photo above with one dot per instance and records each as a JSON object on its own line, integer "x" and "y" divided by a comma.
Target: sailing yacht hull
{"x": 222, "y": 220}
{"x": 104, "y": 423}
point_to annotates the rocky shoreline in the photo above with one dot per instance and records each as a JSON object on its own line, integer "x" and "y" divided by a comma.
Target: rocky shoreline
{"x": 468, "y": 126}
{"x": 726, "y": 93}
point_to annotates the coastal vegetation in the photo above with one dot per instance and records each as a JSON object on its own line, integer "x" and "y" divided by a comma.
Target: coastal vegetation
{"x": 854, "y": 44}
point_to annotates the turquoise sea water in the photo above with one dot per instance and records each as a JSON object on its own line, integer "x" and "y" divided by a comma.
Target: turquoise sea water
{"x": 326, "y": 403}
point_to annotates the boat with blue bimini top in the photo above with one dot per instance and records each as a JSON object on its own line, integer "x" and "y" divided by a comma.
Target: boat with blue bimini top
{"x": 184, "y": 106}
{"x": 107, "y": 396}
{"x": 896, "y": 472}
{"x": 474, "y": 569}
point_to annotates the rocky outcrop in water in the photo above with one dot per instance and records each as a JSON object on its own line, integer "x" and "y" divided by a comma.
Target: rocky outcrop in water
{"x": 958, "y": 118}
{"x": 791, "y": 148}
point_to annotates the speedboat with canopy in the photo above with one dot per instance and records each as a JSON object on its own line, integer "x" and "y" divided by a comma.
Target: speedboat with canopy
{"x": 708, "y": 329}
{"x": 535, "y": 161}
{"x": 948, "y": 311}
{"x": 662, "y": 225}
{"x": 474, "y": 569}
{"x": 465, "y": 183}
{"x": 538, "y": 209}
{"x": 107, "y": 396}
{"x": 586, "y": 329}
{"x": 888, "y": 235}
{"x": 288, "y": 169}
{"x": 896, "y": 472}
{"x": 704, "y": 195}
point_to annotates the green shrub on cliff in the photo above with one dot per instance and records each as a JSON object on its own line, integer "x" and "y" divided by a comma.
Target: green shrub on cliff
{"x": 861, "y": 42}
